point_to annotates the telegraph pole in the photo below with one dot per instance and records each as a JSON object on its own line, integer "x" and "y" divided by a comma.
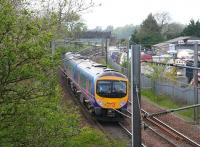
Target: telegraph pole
{"x": 135, "y": 96}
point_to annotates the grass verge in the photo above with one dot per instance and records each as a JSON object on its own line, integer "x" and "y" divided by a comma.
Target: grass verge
{"x": 165, "y": 102}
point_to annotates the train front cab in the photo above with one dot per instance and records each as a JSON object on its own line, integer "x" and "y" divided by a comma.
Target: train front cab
{"x": 111, "y": 94}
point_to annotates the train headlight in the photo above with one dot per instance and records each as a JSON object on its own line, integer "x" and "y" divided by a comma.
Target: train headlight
{"x": 100, "y": 103}
{"x": 122, "y": 104}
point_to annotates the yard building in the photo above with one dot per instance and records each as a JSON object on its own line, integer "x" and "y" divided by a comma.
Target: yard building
{"x": 183, "y": 42}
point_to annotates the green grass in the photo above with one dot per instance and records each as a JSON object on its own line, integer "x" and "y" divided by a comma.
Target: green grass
{"x": 89, "y": 137}
{"x": 165, "y": 102}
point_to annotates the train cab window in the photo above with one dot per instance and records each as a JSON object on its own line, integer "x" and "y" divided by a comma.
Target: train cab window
{"x": 111, "y": 88}
{"x": 119, "y": 87}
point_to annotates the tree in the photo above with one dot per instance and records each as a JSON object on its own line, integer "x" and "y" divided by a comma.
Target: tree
{"x": 162, "y": 18}
{"x": 27, "y": 81}
{"x": 193, "y": 29}
{"x": 172, "y": 30}
{"x": 67, "y": 14}
{"x": 30, "y": 113}
{"x": 148, "y": 33}
{"x": 168, "y": 30}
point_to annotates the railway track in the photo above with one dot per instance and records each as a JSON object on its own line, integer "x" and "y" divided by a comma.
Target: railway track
{"x": 111, "y": 129}
{"x": 115, "y": 129}
{"x": 167, "y": 133}
{"x": 127, "y": 128}
{"x": 171, "y": 135}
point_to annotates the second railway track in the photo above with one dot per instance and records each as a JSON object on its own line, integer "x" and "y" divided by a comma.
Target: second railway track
{"x": 171, "y": 135}
{"x": 119, "y": 130}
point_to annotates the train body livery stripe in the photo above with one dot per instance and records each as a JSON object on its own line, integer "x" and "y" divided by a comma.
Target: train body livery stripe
{"x": 112, "y": 74}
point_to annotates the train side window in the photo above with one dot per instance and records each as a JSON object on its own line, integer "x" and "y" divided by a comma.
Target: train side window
{"x": 69, "y": 69}
{"x": 90, "y": 86}
{"x": 83, "y": 81}
{"x": 87, "y": 85}
{"x": 72, "y": 69}
{"x": 78, "y": 74}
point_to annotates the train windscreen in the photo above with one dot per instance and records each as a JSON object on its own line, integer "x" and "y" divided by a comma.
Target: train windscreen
{"x": 111, "y": 88}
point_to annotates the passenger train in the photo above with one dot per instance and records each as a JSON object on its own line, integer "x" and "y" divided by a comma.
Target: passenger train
{"x": 103, "y": 90}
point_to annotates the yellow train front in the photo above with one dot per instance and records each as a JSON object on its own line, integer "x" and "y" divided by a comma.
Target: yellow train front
{"x": 111, "y": 94}
{"x": 101, "y": 90}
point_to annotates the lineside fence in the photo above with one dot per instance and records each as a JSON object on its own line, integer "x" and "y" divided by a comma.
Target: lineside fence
{"x": 177, "y": 90}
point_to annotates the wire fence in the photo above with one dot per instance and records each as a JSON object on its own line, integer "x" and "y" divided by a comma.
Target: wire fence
{"x": 177, "y": 89}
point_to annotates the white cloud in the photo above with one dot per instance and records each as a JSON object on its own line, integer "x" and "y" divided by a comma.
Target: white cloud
{"x": 122, "y": 12}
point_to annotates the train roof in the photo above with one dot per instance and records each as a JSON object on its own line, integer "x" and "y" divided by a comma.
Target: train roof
{"x": 91, "y": 67}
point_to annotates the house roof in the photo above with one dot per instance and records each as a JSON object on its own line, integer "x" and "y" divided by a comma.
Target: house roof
{"x": 175, "y": 41}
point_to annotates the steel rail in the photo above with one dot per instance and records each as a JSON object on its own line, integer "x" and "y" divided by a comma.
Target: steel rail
{"x": 170, "y": 130}
{"x": 122, "y": 113}
{"x": 128, "y": 132}
{"x": 128, "y": 112}
{"x": 166, "y": 127}
{"x": 92, "y": 121}
{"x": 160, "y": 135}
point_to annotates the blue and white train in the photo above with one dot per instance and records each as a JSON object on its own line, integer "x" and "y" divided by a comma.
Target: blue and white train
{"x": 101, "y": 89}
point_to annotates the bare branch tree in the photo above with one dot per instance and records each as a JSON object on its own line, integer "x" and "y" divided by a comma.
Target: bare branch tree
{"x": 162, "y": 18}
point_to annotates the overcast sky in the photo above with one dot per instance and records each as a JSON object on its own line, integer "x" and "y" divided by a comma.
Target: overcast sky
{"x": 122, "y": 12}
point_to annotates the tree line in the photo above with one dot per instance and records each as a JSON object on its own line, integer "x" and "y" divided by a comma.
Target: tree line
{"x": 156, "y": 28}
{"x": 31, "y": 113}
